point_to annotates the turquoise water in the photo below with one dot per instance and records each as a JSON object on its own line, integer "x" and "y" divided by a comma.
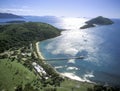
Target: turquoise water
{"x": 100, "y": 46}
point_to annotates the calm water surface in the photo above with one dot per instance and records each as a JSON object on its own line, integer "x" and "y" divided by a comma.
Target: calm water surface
{"x": 100, "y": 46}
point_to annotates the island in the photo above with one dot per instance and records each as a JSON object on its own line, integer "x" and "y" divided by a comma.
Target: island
{"x": 16, "y": 21}
{"x": 8, "y": 16}
{"x": 100, "y": 20}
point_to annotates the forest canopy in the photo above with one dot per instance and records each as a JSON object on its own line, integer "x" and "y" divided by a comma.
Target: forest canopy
{"x": 15, "y": 35}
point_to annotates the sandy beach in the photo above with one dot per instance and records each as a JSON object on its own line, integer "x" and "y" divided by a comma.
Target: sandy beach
{"x": 38, "y": 51}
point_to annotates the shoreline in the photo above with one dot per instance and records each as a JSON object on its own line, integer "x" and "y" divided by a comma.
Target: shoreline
{"x": 68, "y": 75}
{"x": 39, "y": 52}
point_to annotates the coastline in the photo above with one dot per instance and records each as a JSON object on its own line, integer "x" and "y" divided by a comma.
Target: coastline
{"x": 39, "y": 52}
{"x": 67, "y": 75}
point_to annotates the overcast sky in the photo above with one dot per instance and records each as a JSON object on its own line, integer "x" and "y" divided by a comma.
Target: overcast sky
{"x": 71, "y": 8}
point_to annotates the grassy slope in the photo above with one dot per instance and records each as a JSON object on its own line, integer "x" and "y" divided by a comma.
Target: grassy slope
{"x": 69, "y": 85}
{"x": 13, "y": 74}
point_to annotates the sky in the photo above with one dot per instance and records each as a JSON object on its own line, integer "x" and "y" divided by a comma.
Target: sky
{"x": 70, "y": 8}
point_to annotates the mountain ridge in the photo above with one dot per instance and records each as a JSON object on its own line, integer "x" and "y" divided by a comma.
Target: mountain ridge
{"x": 9, "y": 15}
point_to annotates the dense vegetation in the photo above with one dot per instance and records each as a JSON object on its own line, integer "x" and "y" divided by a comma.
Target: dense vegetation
{"x": 87, "y": 26}
{"x": 98, "y": 21}
{"x": 8, "y": 15}
{"x": 16, "y": 35}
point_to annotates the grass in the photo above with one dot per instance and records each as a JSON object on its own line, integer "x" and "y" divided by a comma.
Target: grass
{"x": 14, "y": 74}
{"x": 72, "y": 85}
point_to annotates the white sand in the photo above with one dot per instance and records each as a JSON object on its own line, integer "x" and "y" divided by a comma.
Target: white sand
{"x": 38, "y": 51}
{"x": 74, "y": 77}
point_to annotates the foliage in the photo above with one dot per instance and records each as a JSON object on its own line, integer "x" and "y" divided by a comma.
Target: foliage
{"x": 100, "y": 21}
{"x": 17, "y": 35}
{"x": 14, "y": 75}
{"x": 105, "y": 88}
{"x": 87, "y": 26}
{"x": 72, "y": 85}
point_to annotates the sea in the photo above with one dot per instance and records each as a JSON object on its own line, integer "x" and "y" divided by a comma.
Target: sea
{"x": 100, "y": 47}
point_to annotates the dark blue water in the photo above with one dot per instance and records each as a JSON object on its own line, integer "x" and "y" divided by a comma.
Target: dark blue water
{"x": 100, "y": 46}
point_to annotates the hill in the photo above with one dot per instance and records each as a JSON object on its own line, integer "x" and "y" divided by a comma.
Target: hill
{"x": 97, "y": 21}
{"x": 14, "y": 75}
{"x": 17, "y": 35}
{"x": 9, "y": 15}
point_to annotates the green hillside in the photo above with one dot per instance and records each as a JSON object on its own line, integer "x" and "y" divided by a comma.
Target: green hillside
{"x": 97, "y": 21}
{"x": 17, "y": 35}
{"x": 14, "y": 75}
{"x": 100, "y": 21}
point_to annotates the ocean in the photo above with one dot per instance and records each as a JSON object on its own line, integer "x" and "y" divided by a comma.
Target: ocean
{"x": 100, "y": 47}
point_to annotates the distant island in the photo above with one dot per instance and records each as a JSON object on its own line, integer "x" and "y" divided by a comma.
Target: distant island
{"x": 97, "y": 21}
{"x": 16, "y": 21}
{"x": 9, "y": 15}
